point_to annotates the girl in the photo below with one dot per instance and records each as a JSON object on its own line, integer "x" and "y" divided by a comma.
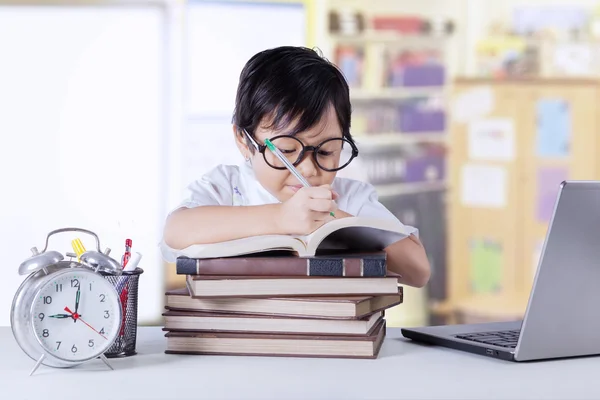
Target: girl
{"x": 301, "y": 102}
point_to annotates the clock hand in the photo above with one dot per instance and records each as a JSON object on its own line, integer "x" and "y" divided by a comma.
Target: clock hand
{"x": 77, "y": 317}
{"x": 59, "y": 316}
{"x": 77, "y": 301}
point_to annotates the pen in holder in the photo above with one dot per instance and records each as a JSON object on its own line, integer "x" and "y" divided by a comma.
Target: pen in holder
{"x": 127, "y": 286}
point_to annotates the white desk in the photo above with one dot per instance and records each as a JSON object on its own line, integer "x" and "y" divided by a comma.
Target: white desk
{"x": 403, "y": 370}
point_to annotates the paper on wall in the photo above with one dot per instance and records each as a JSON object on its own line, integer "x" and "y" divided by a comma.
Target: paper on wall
{"x": 553, "y": 130}
{"x": 573, "y": 59}
{"x": 492, "y": 139}
{"x": 473, "y": 103}
{"x": 485, "y": 265}
{"x": 483, "y": 186}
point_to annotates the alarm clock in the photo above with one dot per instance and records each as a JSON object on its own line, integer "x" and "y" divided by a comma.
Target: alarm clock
{"x": 65, "y": 312}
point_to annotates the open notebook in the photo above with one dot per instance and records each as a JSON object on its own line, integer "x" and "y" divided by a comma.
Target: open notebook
{"x": 351, "y": 233}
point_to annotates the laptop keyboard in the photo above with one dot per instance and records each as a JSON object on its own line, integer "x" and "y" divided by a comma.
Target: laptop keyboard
{"x": 501, "y": 338}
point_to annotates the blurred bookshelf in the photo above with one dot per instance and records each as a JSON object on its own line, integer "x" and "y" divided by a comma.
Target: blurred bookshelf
{"x": 395, "y": 62}
{"x": 523, "y": 120}
{"x": 514, "y": 141}
{"x": 541, "y": 40}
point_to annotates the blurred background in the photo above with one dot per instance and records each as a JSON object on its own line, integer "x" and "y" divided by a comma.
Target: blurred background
{"x": 467, "y": 113}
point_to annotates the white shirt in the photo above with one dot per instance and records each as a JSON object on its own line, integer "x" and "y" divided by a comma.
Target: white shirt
{"x": 233, "y": 185}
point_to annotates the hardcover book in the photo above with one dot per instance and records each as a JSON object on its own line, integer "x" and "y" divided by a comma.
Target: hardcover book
{"x": 285, "y": 286}
{"x": 247, "y": 344}
{"x": 210, "y": 322}
{"x": 338, "y": 264}
{"x": 338, "y": 307}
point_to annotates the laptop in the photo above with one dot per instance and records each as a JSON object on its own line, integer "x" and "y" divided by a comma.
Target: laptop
{"x": 562, "y": 318}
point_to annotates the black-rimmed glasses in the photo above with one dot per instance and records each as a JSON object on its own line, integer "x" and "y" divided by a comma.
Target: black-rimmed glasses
{"x": 330, "y": 155}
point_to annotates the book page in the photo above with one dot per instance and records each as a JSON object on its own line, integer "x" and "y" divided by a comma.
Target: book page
{"x": 357, "y": 234}
{"x": 249, "y": 245}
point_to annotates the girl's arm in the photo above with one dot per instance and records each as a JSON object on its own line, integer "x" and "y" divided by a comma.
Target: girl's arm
{"x": 304, "y": 212}
{"x": 212, "y": 224}
{"x": 407, "y": 258}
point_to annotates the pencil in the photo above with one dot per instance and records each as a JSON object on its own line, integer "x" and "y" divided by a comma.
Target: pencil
{"x": 289, "y": 166}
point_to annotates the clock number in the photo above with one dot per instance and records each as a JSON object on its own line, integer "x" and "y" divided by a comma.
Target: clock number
{"x": 59, "y": 287}
{"x": 106, "y": 314}
{"x": 74, "y": 282}
{"x": 45, "y": 333}
{"x": 58, "y": 345}
{"x": 91, "y": 343}
{"x": 102, "y": 331}
{"x": 47, "y": 300}
{"x": 90, "y": 286}
{"x": 74, "y": 349}
{"x": 41, "y": 316}
{"x": 102, "y": 297}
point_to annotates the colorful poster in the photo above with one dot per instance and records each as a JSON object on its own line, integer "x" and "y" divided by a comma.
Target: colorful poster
{"x": 492, "y": 139}
{"x": 553, "y": 128}
{"x": 485, "y": 266}
{"x": 548, "y": 183}
{"x": 483, "y": 186}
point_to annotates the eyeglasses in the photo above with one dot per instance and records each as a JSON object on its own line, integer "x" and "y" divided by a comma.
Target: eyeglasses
{"x": 331, "y": 155}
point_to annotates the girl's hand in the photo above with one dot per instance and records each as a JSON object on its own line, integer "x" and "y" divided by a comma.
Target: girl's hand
{"x": 308, "y": 209}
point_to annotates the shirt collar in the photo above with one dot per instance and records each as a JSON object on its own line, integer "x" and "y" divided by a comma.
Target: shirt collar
{"x": 256, "y": 193}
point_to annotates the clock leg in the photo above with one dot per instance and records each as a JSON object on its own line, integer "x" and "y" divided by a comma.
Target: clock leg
{"x": 103, "y": 358}
{"x": 37, "y": 364}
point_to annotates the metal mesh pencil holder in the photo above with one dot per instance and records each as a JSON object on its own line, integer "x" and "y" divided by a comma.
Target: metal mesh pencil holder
{"x": 127, "y": 288}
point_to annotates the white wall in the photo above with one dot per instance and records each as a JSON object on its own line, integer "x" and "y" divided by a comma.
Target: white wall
{"x": 220, "y": 37}
{"x": 83, "y": 135}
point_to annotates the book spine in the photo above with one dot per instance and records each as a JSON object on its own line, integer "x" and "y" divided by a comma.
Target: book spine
{"x": 374, "y": 267}
{"x": 186, "y": 266}
{"x": 293, "y": 266}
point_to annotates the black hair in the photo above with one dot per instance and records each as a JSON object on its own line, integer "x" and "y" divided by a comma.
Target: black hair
{"x": 285, "y": 83}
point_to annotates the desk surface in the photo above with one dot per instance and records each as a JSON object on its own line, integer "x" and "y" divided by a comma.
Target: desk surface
{"x": 403, "y": 370}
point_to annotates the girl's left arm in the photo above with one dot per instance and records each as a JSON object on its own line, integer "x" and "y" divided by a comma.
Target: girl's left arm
{"x": 405, "y": 257}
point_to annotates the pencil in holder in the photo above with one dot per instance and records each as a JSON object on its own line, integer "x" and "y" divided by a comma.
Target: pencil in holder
{"x": 127, "y": 287}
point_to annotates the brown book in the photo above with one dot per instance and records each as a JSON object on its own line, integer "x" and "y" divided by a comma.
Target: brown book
{"x": 340, "y": 307}
{"x": 278, "y": 264}
{"x": 202, "y": 321}
{"x": 221, "y": 343}
{"x": 286, "y": 286}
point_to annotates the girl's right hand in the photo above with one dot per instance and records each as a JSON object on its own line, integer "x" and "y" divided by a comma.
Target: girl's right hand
{"x": 308, "y": 209}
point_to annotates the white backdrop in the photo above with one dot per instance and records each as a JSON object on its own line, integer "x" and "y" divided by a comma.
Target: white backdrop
{"x": 82, "y": 135}
{"x": 220, "y": 37}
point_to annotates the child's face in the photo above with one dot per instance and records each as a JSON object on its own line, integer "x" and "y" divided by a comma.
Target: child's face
{"x": 281, "y": 183}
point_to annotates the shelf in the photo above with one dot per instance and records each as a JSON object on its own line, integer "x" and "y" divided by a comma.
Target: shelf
{"x": 398, "y": 138}
{"x": 389, "y": 37}
{"x": 397, "y": 93}
{"x": 394, "y": 189}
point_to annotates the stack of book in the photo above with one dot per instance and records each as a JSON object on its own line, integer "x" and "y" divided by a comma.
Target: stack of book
{"x": 250, "y": 298}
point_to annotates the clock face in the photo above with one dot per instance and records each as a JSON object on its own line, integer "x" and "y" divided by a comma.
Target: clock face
{"x": 76, "y": 315}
